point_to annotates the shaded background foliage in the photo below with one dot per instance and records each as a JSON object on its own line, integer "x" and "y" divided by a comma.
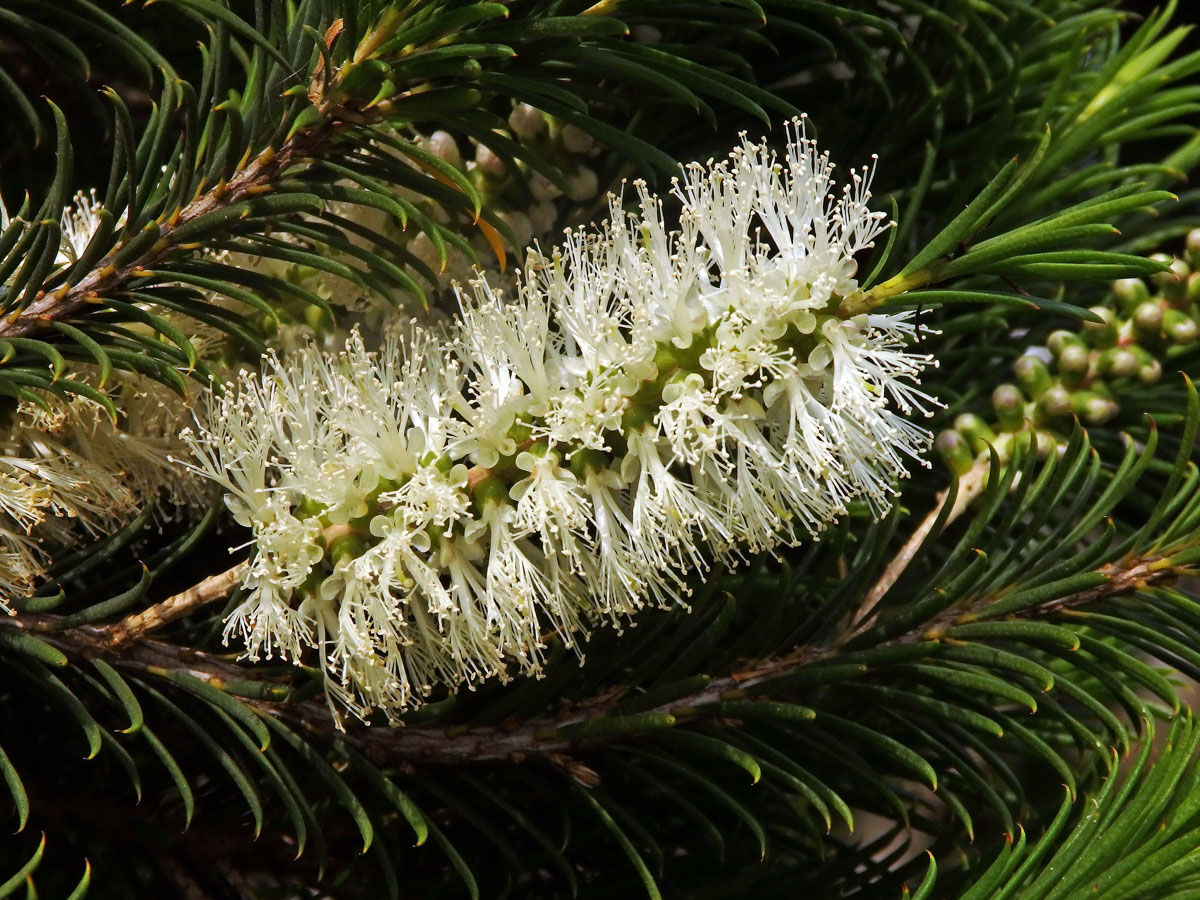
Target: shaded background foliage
{"x": 577, "y": 784}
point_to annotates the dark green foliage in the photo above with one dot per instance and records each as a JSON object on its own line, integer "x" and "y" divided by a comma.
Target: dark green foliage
{"x": 812, "y": 719}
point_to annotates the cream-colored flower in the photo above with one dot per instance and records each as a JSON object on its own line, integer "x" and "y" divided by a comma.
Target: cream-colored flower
{"x": 650, "y": 401}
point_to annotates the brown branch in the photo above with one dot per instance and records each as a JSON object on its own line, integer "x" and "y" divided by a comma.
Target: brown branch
{"x": 970, "y": 485}
{"x": 253, "y": 177}
{"x": 531, "y": 739}
{"x": 106, "y": 279}
{"x": 211, "y": 589}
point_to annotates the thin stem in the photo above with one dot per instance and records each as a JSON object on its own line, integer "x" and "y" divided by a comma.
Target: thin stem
{"x": 210, "y": 590}
{"x": 533, "y": 739}
{"x": 865, "y": 301}
{"x": 970, "y": 485}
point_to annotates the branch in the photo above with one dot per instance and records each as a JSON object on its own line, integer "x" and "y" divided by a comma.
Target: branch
{"x": 253, "y": 177}
{"x": 105, "y": 279}
{"x": 531, "y": 739}
{"x": 211, "y": 589}
{"x": 969, "y": 486}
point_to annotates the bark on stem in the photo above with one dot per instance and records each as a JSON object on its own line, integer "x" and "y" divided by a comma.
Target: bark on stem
{"x": 211, "y": 589}
{"x": 528, "y": 740}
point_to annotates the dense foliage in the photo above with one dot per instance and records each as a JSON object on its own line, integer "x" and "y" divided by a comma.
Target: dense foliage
{"x": 992, "y": 660}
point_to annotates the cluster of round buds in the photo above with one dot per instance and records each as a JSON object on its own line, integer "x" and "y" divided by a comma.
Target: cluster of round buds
{"x": 1082, "y": 373}
{"x": 526, "y": 200}
{"x": 649, "y": 402}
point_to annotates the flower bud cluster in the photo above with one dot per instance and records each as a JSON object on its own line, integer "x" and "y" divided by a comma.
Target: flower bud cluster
{"x": 529, "y": 203}
{"x": 1082, "y": 373}
{"x": 649, "y": 402}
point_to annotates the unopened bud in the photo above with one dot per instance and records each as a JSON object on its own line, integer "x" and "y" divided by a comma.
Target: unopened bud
{"x": 443, "y": 145}
{"x": 488, "y": 161}
{"x": 1055, "y": 402}
{"x": 521, "y": 228}
{"x": 1182, "y": 272}
{"x": 1032, "y": 375}
{"x": 1092, "y": 408}
{"x": 1074, "y": 360}
{"x": 1060, "y": 339}
{"x": 1104, "y": 332}
{"x": 1172, "y": 280}
{"x": 584, "y": 184}
{"x": 954, "y": 450}
{"x": 527, "y": 121}
{"x": 977, "y": 432}
{"x": 1179, "y": 327}
{"x": 1150, "y": 372}
{"x": 1046, "y": 442}
{"x": 1010, "y": 406}
{"x": 542, "y": 217}
{"x": 542, "y": 188}
{"x": 1193, "y": 247}
{"x": 317, "y": 318}
{"x": 1130, "y": 292}
{"x": 1118, "y": 362}
{"x": 575, "y": 139}
{"x": 1148, "y": 319}
{"x": 1191, "y": 293}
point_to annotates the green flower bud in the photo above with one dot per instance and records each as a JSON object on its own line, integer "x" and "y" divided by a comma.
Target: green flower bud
{"x": 1193, "y": 247}
{"x": 1118, "y": 362}
{"x": 1061, "y": 339}
{"x": 954, "y": 450}
{"x": 1150, "y": 372}
{"x": 1104, "y": 333}
{"x": 1148, "y": 319}
{"x": 1074, "y": 362}
{"x": 977, "y": 432}
{"x": 1130, "y": 292}
{"x": 317, "y": 318}
{"x": 1009, "y": 404}
{"x": 1179, "y": 327}
{"x": 1173, "y": 280}
{"x": 1032, "y": 375}
{"x": 1191, "y": 293}
{"x": 1092, "y": 408}
{"x": 1055, "y": 402}
{"x": 1046, "y": 442}
{"x": 1004, "y": 445}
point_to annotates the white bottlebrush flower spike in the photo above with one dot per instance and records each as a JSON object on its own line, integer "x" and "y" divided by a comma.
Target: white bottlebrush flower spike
{"x": 649, "y": 402}
{"x": 66, "y": 468}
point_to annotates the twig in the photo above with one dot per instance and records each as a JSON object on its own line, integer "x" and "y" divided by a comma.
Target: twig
{"x": 211, "y": 589}
{"x": 970, "y": 485}
{"x": 535, "y": 739}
